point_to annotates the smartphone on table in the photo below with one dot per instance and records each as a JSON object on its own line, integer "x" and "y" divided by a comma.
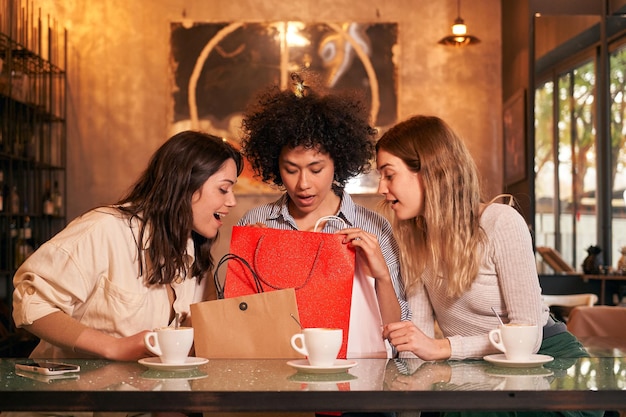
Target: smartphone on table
{"x": 47, "y": 367}
{"x": 48, "y": 379}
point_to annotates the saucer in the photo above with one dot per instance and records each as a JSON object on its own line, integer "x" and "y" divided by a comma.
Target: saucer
{"x": 534, "y": 361}
{"x": 521, "y": 379}
{"x": 340, "y": 365}
{"x": 190, "y": 363}
{"x": 189, "y": 374}
{"x": 519, "y": 372}
{"x": 323, "y": 382}
{"x": 319, "y": 378}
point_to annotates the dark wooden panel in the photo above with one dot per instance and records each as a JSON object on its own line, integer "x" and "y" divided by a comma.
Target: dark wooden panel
{"x": 567, "y": 284}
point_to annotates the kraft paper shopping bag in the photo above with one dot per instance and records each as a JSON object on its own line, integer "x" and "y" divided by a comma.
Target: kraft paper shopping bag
{"x": 318, "y": 266}
{"x": 258, "y": 325}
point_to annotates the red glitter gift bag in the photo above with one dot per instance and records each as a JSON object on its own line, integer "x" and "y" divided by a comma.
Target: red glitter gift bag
{"x": 317, "y": 265}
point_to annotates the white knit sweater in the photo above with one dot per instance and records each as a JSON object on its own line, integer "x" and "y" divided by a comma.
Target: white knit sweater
{"x": 507, "y": 281}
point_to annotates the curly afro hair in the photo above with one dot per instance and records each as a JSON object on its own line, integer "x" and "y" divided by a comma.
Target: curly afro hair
{"x": 334, "y": 124}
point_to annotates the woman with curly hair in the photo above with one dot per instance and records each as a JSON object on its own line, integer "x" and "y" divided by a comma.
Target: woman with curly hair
{"x": 119, "y": 271}
{"x": 310, "y": 145}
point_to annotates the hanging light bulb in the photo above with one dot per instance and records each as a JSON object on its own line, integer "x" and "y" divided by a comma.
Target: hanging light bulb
{"x": 459, "y": 35}
{"x": 459, "y": 28}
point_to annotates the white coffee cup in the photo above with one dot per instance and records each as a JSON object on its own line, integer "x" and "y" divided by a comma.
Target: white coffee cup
{"x": 320, "y": 345}
{"x": 170, "y": 344}
{"x": 517, "y": 341}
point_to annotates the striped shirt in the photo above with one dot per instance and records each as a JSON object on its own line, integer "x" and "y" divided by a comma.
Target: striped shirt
{"x": 276, "y": 215}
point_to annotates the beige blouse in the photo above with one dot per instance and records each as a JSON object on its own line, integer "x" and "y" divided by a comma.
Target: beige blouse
{"x": 90, "y": 272}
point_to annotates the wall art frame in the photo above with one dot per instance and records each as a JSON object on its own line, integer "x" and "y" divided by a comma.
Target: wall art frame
{"x": 218, "y": 68}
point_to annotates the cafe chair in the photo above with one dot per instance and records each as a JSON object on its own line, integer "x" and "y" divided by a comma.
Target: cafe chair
{"x": 599, "y": 328}
{"x": 561, "y": 304}
{"x": 601, "y": 331}
{"x": 555, "y": 260}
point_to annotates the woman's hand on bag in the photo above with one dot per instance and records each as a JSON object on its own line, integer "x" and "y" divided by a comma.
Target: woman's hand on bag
{"x": 372, "y": 263}
{"x": 368, "y": 250}
{"x": 406, "y": 337}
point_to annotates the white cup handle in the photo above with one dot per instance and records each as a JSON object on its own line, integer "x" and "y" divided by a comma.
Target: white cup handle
{"x": 495, "y": 337}
{"x": 294, "y": 344}
{"x": 152, "y": 343}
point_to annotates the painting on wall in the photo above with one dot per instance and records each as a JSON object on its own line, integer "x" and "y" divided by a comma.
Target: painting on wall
{"x": 218, "y": 68}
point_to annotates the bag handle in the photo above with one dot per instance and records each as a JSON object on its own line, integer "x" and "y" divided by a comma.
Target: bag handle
{"x": 276, "y": 287}
{"x": 327, "y": 218}
{"x": 219, "y": 288}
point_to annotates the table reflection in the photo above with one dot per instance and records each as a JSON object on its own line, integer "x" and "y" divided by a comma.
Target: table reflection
{"x": 562, "y": 374}
{"x": 272, "y": 385}
{"x": 221, "y": 375}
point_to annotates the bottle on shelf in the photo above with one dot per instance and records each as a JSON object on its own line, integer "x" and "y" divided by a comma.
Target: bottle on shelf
{"x": 48, "y": 205}
{"x": 57, "y": 200}
{"x": 23, "y": 245}
{"x": 28, "y": 235}
{"x": 13, "y": 232}
{"x": 14, "y": 201}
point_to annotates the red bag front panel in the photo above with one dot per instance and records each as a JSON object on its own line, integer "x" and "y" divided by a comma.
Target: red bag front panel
{"x": 317, "y": 265}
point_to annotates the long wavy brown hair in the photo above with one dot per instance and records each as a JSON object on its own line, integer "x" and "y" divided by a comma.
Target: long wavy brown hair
{"x": 447, "y": 239}
{"x": 161, "y": 201}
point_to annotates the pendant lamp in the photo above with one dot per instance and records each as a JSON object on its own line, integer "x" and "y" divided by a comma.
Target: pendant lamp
{"x": 459, "y": 35}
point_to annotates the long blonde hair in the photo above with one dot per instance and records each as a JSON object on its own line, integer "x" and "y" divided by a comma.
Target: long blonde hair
{"x": 447, "y": 239}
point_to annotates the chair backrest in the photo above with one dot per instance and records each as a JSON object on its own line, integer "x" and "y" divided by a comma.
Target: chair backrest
{"x": 570, "y": 300}
{"x": 555, "y": 260}
{"x": 605, "y": 324}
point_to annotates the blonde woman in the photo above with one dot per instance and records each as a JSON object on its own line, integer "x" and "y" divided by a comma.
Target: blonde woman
{"x": 460, "y": 257}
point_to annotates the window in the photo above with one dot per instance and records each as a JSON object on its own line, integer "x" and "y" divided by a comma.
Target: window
{"x": 567, "y": 155}
{"x": 618, "y": 148}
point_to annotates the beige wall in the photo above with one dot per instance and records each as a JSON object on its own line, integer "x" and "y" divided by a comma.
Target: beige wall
{"x": 120, "y": 83}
